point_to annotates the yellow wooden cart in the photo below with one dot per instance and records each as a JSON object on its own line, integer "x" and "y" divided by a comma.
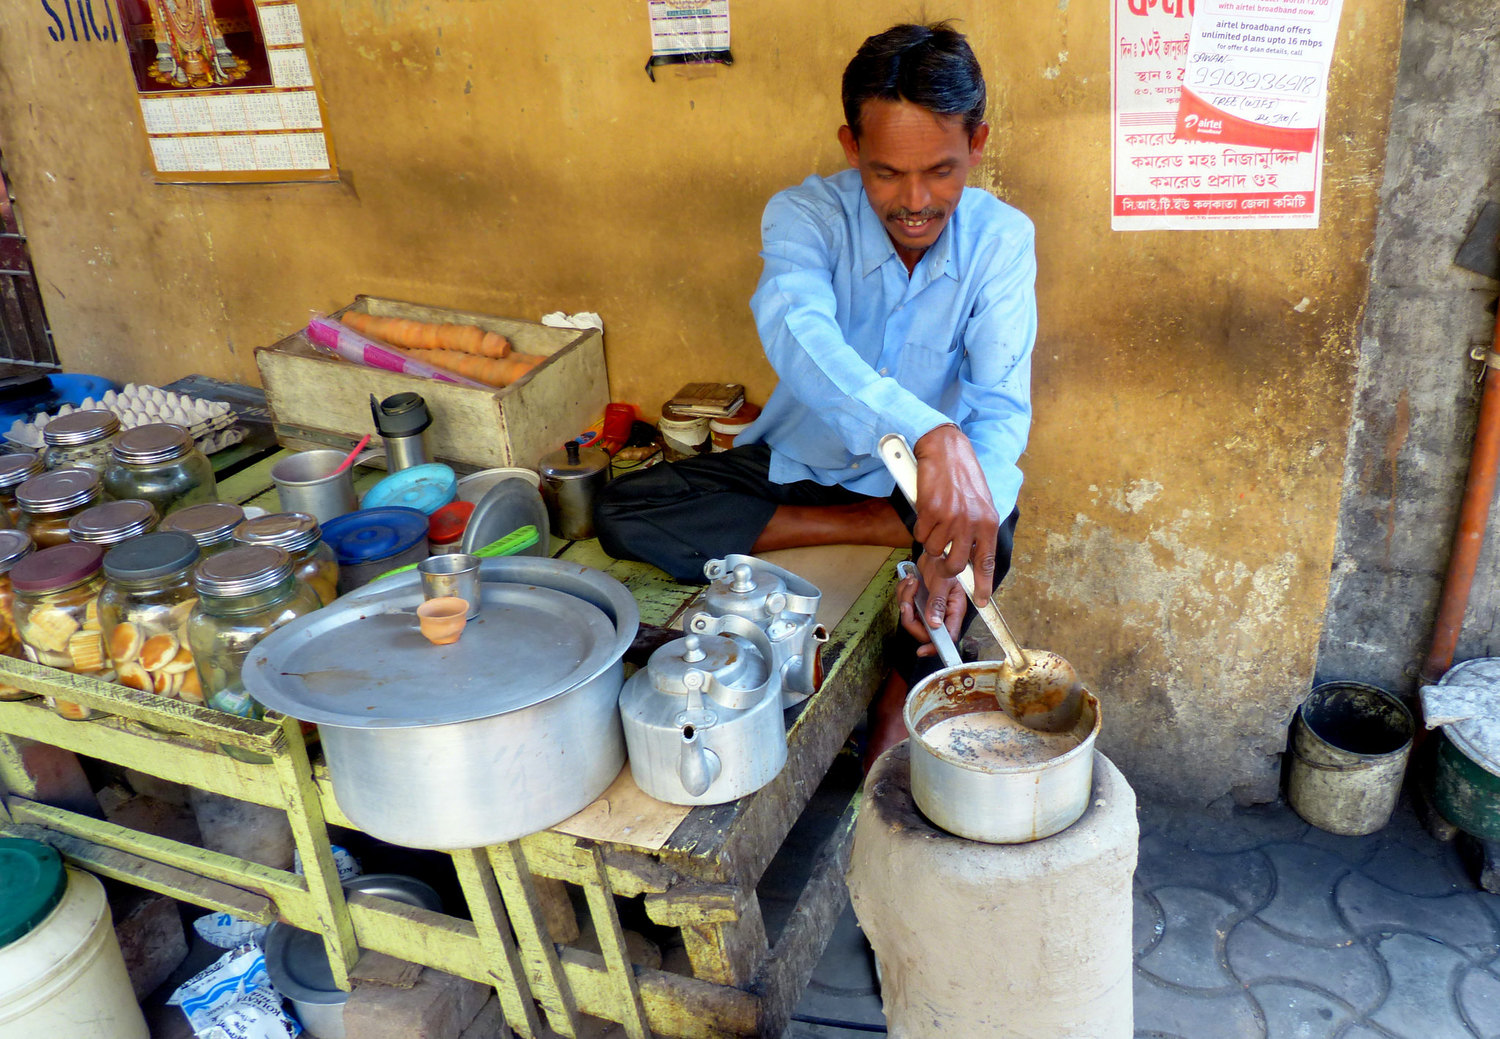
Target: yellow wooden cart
{"x": 702, "y": 880}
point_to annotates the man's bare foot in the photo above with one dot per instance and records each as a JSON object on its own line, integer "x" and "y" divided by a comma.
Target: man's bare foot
{"x": 886, "y": 725}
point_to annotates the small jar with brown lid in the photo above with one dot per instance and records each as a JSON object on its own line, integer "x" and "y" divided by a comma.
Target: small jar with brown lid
{"x": 49, "y": 501}
{"x": 161, "y": 464}
{"x": 313, "y": 561}
{"x": 80, "y": 440}
{"x": 211, "y": 525}
{"x": 113, "y": 522}
{"x": 57, "y": 613}
{"x": 15, "y": 470}
{"x": 14, "y": 547}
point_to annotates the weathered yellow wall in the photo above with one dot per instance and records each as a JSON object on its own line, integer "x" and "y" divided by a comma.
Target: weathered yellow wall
{"x": 511, "y": 158}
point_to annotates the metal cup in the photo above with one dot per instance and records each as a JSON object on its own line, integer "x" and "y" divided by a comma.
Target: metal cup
{"x": 306, "y": 482}
{"x": 453, "y": 573}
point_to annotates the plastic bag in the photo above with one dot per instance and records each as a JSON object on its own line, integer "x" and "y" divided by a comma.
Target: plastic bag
{"x": 233, "y": 998}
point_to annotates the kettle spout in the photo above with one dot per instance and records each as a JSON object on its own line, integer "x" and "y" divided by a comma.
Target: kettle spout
{"x": 699, "y": 766}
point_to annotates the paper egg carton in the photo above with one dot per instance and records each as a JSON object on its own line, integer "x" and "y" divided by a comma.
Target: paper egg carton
{"x": 209, "y": 422}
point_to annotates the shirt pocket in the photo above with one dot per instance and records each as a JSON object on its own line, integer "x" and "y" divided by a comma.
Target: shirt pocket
{"x": 929, "y": 371}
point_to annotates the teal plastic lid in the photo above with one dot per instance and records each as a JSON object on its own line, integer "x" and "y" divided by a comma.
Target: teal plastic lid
{"x": 425, "y": 488}
{"x": 32, "y": 882}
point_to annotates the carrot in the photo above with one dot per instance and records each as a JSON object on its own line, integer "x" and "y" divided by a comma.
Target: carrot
{"x": 495, "y": 372}
{"x": 422, "y": 335}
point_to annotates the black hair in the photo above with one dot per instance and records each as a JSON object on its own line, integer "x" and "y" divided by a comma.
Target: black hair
{"x": 928, "y": 65}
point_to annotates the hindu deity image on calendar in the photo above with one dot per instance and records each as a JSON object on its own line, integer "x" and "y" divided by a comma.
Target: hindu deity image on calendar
{"x": 194, "y": 44}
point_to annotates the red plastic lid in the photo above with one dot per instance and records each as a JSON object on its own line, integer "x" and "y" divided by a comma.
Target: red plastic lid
{"x": 447, "y": 524}
{"x": 60, "y": 566}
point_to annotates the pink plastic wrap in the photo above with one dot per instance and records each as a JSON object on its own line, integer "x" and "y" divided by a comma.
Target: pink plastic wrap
{"x": 340, "y": 339}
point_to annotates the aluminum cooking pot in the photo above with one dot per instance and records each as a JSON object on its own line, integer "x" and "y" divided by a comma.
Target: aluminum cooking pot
{"x": 509, "y": 730}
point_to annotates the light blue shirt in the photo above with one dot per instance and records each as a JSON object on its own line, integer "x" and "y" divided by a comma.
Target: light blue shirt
{"x": 863, "y": 350}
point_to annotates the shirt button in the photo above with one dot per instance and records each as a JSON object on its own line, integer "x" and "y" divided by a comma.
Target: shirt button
{"x": 885, "y": 371}
{"x": 856, "y": 465}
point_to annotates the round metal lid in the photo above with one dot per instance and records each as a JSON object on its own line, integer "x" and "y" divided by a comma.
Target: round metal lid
{"x": 1478, "y": 737}
{"x": 81, "y": 427}
{"x": 151, "y": 556}
{"x": 361, "y": 663}
{"x": 574, "y": 463}
{"x": 18, "y": 468}
{"x": 15, "y": 545}
{"x": 713, "y": 655}
{"x": 60, "y": 566}
{"x": 112, "y": 522}
{"x": 292, "y": 531}
{"x": 211, "y": 523}
{"x": 58, "y": 491}
{"x": 242, "y": 571}
{"x": 157, "y": 442}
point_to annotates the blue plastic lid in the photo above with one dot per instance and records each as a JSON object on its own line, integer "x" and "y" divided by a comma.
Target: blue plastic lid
{"x": 426, "y": 488}
{"x": 368, "y": 534}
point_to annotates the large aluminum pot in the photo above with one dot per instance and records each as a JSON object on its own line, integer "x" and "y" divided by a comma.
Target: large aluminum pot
{"x": 982, "y": 800}
{"x": 511, "y": 729}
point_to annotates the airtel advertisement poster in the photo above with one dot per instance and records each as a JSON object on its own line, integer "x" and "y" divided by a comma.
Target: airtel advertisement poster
{"x": 1218, "y": 112}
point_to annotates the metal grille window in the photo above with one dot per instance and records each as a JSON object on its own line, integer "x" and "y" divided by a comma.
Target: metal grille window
{"x": 24, "y": 335}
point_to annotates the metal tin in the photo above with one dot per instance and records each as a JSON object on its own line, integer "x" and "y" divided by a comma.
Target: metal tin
{"x": 157, "y": 442}
{"x": 81, "y": 427}
{"x": 113, "y": 522}
{"x": 210, "y": 524}
{"x": 242, "y": 571}
{"x": 571, "y": 481}
{"x": 16, "y": 469}
{"x": 58, "y": 491}
{"x": 292, "y": 531}
{"x": 1350, "y": 743}
{"x": 527, "y": 705}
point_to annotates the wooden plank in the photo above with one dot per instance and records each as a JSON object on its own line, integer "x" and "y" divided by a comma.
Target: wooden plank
{"x": 630, "y": 1011}
{"x": 492, "y": 924}
{"x": 729, "y": 952}
{"x": 693, "y": 903}
{"x": 677, "y": 1007}
{"x": 548, "y": 982}
{"x": 786, "y": 972}
{"x": 153, "y": 876}
{"x": 13, "y": 775}
{"x": 557, "y": 908}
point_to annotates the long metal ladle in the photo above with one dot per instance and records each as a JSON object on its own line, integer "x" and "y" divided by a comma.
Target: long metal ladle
{"x": 1043, "y": 690}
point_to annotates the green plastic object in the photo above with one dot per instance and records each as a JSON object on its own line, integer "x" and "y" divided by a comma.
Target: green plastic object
{"x": 32, "y": 882}
{"x": 518, "y": 540}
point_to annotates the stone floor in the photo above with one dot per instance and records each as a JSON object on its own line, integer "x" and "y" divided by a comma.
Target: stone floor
{"x": 1251, "y": 924}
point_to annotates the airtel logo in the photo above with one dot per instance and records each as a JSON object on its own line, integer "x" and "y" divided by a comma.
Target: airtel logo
{"x": 1192, "y": 122}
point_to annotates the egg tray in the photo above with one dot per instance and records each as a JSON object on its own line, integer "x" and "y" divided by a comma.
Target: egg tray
{"x": 212, "y": 426}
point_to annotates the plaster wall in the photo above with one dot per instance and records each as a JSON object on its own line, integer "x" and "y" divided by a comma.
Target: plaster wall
{"x": 1191, "y": 388}
{"x": 1417, "y": 388}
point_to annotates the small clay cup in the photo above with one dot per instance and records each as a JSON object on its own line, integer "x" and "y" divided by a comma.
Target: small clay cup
{"x": 442, "y": 619}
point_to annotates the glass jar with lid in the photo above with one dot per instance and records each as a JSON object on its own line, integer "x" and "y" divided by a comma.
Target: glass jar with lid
{"x": 14, "y": 547}
{"x": 57, "y": 614}
{"x": 144, "y": 608}
{"x": 244, "y": 594}
{"x": 160, "y": 463}
{"x": 298, "y": 533}
{"x": 15, "y": 469}
{"x": 210, "y": 524}
{"x": 50, "y": 500}
{"x": 80, "y": 440}
{"x": 113, "y": 522}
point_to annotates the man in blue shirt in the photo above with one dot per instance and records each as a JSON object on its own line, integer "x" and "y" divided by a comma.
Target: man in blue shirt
{"x": 893, "y": 299}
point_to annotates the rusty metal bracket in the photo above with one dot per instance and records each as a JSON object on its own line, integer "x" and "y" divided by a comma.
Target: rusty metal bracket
{"x": 1490, "y": 358}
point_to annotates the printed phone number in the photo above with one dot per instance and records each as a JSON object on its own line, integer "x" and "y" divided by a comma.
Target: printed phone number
{"x": 1256, "y": 82}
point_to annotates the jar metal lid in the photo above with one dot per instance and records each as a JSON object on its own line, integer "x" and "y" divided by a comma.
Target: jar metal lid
{"x": 15, "y": 545}
{"x": 81, "y": 427}
{"x": 60, "y": 566}
{"x": 243, "y": 570}
{"x": 112, "y": 522}
{"x": 157, "y": 442}
{"x": 151, "y": 556}
{"x": 292, "y": 531}
{"x": 58, "y": 491}
{"x": 211, "y": 523}
{"x": 18, "y": 468}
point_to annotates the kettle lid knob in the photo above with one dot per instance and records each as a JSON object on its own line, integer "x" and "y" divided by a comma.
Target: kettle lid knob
{"x": 743, "y": 579}
{"x": 692, "y": 650}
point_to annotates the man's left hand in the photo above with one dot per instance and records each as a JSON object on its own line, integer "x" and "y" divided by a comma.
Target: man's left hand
{"x": 946, "y": 606}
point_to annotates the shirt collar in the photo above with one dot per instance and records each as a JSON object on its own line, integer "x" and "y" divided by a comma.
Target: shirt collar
{"x": 876, "y": 247}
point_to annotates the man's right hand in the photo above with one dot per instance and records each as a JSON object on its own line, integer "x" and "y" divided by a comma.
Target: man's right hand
{"x": 954, "y": 511}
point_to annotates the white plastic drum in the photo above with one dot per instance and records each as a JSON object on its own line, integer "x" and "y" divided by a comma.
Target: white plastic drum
{"x": 61, "y": 972}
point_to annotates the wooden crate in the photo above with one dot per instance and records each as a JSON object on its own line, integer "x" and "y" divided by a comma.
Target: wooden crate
{"x": 319, "y": 400}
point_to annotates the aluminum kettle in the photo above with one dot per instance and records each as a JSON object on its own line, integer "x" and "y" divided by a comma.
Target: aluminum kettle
{"x": 782, "y": 605}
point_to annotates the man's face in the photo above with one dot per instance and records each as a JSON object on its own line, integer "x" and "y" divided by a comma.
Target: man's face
{"x": 913, "y": 163}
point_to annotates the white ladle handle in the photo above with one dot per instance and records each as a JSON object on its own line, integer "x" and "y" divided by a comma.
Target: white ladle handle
{"x": 902, "y": 463}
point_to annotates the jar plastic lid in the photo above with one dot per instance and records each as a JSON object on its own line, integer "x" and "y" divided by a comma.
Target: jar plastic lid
{"x": 243, "y": 570}
{"x": 151, "y": 556}
{"x": 15, "y": 545}
{"x": 402, "y": 415}
{"x": 358, "y": 537}
{"x": 745, "y": 414}
{"x": 292, "y": 531}
{"x": 32, "y": 883}
{"x": 157, "y": 442}
{"x": 112, "y": 522}
{"x": 447, "y": 524}
{"x": 426, "y": 488}
{"x": 211, "y": 523}
{"x": 58, "y": 491}
{"x": 81, "y": 427}
{"x": 18, "y": 468}
{"x": 60, "y": 566}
